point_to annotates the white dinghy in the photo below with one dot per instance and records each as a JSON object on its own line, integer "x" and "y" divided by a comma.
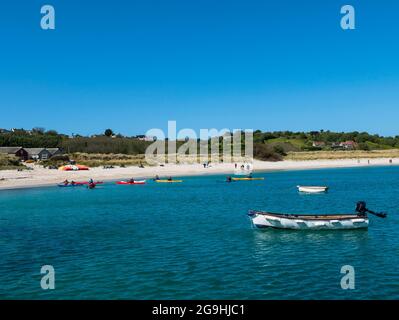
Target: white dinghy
{"x": 263, "y": 219}
{"x": 312, "y": 189}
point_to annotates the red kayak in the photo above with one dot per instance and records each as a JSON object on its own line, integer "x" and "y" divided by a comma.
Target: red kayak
{"x": 128, "y": 182}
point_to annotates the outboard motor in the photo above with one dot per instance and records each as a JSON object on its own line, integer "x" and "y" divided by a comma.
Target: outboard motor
{"x": 361, "y": 208}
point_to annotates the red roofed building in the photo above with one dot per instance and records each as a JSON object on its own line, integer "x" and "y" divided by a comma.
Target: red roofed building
{"x": 348, "y": 145}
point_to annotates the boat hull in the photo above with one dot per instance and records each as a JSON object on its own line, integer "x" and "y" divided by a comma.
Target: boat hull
{"x": 131, "y": 183}
{"x": 71, "y": 185}
{"x": 312, "y": 189}
{"x": 294, "y": 222}
{"x": 246, "y": 179}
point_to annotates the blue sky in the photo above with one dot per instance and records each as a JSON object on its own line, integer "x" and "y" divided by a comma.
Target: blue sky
{"x": 134, "y": 65}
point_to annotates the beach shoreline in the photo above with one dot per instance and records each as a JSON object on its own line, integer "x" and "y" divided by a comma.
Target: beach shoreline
{"x": 41, "y": 177}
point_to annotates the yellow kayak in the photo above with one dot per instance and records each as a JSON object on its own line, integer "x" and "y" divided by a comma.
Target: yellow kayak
{"x": 246, "y": 179}
{"x": 168, "y": 181}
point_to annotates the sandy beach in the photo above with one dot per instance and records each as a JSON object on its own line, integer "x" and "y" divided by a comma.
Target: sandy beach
{"x": 39, "y": 176}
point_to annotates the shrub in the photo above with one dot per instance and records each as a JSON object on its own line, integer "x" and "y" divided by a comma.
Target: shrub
{"x": 279, "y": 149}
{"x": 363, "y": 146}
{"x": 264, "y": 152}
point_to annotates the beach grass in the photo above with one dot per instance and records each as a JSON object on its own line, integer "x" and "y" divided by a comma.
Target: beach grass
{"x": 99, "y": 159}
{"x": 350, "y": 154}
{"x": 8, "y": 162}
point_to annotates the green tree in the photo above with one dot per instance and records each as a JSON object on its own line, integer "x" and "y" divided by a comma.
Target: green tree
{"x": 108, "y": 133}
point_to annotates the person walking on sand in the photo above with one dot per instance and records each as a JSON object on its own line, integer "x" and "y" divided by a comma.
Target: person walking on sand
{"x": 235, "y": 166}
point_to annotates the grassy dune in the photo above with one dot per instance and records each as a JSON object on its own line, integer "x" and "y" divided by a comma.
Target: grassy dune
{"x": 331, "y": 155}
{"x": 98, "y": 159}
{"x": 9, "y": 162}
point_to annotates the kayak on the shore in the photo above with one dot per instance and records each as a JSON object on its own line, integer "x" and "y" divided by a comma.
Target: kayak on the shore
{"x": 247, "y": 179}
{"x": 131, "y": 182}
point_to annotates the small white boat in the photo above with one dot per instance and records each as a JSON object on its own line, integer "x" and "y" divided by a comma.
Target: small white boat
{"x": 261, "y": 219}
{"x": 312, "y": 189}
{"x": 358, "y": 220}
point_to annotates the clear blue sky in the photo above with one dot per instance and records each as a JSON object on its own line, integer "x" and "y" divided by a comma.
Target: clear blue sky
{"x": 134, "y": 65}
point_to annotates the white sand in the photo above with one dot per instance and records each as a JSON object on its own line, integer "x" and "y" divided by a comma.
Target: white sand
{"x": 12, "y": 179}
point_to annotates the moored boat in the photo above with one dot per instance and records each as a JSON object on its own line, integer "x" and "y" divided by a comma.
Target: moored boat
{"x": 262, "y": 219}
{"x": 358, "y": 220}
{"x": 312, "y": 189}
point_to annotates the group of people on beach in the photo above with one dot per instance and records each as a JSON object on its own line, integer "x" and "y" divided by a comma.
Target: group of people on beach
{"x": 242, "y": 167}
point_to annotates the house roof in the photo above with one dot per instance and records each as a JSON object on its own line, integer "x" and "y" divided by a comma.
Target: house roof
{"x": 53, "y": 150}
{"x": 35, "y": 151}
{"x": 349, "y": 142}
{"x": 10, "y": 150}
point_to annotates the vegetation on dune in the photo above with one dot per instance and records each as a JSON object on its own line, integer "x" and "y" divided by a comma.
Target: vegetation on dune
{"x": 331, "y": 155}
{"x": 303, "y": 141}
{"x": 10, "y": 162}
{"x": 97, "y": 159}
{"x": 266, "y": 153}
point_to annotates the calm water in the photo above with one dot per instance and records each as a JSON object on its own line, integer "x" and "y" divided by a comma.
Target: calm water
{"x": 194, "y": 241}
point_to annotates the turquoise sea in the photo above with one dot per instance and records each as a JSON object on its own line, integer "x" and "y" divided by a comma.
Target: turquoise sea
{"x": 193, "y": 240}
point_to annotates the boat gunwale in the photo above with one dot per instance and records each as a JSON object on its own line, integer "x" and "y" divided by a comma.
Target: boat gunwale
{"x": 313, "y": 187}
{"x": 318, "y": 217}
